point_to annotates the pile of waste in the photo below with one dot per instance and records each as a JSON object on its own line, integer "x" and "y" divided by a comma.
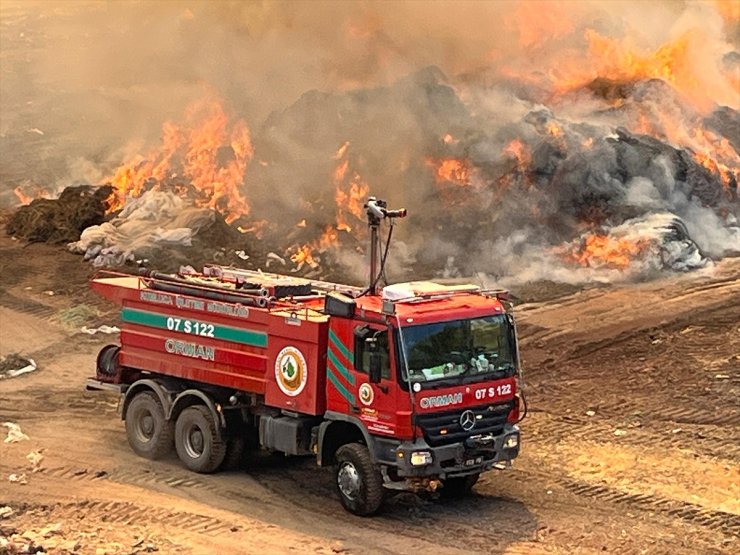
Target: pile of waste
{"x": 60, "y": 220}
{"x": 156, "y": 220}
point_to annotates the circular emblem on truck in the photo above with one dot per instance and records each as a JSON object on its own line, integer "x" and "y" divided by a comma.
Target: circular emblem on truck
{"x": 367, "y": 395}
{"x": 467, "y": 420}
{"x": 290, "y": 371}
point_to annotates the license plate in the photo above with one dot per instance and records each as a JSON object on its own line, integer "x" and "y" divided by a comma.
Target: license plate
{"x": 473, "y": 462}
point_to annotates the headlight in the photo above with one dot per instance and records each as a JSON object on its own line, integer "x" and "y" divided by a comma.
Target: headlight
{"x": 511, "y": 441}
{"x": 420, "y": 458}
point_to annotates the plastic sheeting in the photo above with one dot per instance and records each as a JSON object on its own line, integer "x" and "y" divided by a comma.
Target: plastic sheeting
{"x": 154, "y": 221}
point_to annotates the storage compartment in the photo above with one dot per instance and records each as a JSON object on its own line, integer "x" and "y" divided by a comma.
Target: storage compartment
{"x": 286, "y": 434}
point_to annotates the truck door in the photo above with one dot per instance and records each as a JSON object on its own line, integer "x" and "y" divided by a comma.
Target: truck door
{"x": 381, "y": 406}
{"x": 377, "y": 402}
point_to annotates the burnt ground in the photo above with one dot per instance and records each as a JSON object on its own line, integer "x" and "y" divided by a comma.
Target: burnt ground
{"x": 630, "y": 445}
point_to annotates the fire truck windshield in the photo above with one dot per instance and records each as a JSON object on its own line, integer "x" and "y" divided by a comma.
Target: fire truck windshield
{"x": 460, "y": 351}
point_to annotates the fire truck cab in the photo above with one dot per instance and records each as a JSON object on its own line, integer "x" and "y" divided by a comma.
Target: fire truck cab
{"x": 427, "y": 373}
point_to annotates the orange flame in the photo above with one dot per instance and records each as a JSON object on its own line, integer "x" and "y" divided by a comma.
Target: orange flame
{"x": 350, "y": 192}
{"x": 305, "y": 254}
{"x": 26, "y": 198}
{"x": 341, "y": 151}
{"x": 205, "y": 153}
{"x": 522, "y": 155}
{"x": 350, "y": 202}
{"x": 454, "y": 179}
{"x": 452, "y": 170}
{"x": 597, "y": 250}
{"x": 554, "y": 129}
{"x": 689, "y": 61}
{"x": 728, "y": 10}
{"x": 678, "y": 62}
{"x": 716, "y": 155}
{"x": 520, "y": 152}
{"x": 22, "y": 197}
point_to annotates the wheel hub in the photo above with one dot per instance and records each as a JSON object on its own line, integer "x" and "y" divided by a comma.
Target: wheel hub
{"x": 146, "y": 426}
{"x": 194, "y": 442}
{"x": 348, "y": 480}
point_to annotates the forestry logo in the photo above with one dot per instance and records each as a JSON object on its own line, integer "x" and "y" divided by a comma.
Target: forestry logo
{"x": 366, "y": 394}
{"x": 291, "y": 371}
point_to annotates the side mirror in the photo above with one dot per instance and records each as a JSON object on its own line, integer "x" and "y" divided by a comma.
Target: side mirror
{"x": 375, "y": 369}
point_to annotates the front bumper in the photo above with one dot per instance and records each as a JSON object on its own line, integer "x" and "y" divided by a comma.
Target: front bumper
{"x": 473, "y": 455}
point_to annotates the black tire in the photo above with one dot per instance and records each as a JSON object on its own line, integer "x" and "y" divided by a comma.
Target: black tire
{"x": 357, "y": 480}
{"x": 455, "y": 488}
{"x": 107, "y": 365}
{"x": 198, "y": 441}
{"x": 149, "y": 432}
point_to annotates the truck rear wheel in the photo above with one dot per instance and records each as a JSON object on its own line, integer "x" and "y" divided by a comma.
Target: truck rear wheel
{"x": 458, "y": 487}
{"x": 197, "y": 440}
{"x": 358, "y": 482}
{"x": 148, "y": 431}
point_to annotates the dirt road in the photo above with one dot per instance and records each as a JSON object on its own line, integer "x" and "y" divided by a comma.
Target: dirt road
{"x": 631, "y": 444}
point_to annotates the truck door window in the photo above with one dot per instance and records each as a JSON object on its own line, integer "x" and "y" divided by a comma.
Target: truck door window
{"x": 362, "y": 352}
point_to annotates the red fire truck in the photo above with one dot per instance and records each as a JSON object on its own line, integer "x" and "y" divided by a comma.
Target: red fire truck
{"x": 412, "y": 387}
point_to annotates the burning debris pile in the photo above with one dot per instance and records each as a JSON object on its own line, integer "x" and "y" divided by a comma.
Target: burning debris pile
{"x": 620, "y": 164}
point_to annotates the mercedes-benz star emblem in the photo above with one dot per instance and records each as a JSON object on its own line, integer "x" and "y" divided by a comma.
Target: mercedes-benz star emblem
{"x": 467, "y": 420}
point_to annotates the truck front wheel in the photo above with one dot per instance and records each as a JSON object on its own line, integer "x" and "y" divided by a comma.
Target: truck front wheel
{"x": 148, "y": 431}
{"x": 197, "y": 440}
{"x": 358, "y": 482}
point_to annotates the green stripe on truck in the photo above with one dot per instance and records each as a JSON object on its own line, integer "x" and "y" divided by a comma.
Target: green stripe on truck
{"x": 341, "y": 347}
{"x": 340, "y": 367}
{"x": 194, "y": 327}
{"x": 340, "y": 387}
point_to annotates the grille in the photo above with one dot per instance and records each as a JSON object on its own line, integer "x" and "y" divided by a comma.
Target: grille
{"x": 489, "y": 419}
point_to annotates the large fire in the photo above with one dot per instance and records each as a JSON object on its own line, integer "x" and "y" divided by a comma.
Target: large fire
{"x": 602, "y": 123}
{"x": 619, "y": 60}
{"x": 597, "y": 250}
{"x": 679, "y": 61}
{"x": 204, "y": 156}
{"x": 575, "y": 55}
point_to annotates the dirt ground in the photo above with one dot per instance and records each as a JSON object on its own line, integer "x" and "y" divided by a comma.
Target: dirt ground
{"x": 631, "y": 444}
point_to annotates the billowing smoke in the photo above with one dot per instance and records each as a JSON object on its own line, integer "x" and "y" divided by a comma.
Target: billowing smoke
{"x": 560, "y": 140}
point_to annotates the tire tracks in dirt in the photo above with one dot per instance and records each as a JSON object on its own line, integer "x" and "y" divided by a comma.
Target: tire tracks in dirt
{"x": 118, "y": 512}
{"x": 26, "y": 306}
{"x": 412, "y": 517}
{"x": 720, "y": 521}
{"x": 715, "y": 440}
{"x": 542, "y": 324}
{"x": 125, "y": 513}
{"x": 298, "y": 487}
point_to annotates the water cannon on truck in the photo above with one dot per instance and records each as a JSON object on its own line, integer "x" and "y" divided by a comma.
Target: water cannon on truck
{"x": 410, "y": 387}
